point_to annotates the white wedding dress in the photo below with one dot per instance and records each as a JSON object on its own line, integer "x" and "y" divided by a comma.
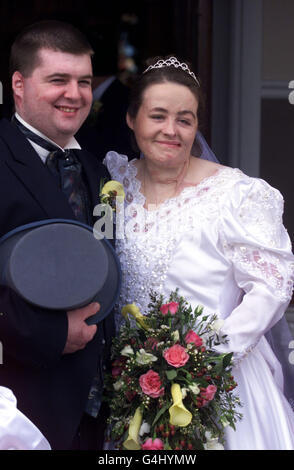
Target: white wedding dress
{"x": 222, "y": 243}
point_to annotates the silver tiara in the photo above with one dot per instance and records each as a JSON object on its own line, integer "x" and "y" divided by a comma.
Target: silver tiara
{"x": 173, "y": 62}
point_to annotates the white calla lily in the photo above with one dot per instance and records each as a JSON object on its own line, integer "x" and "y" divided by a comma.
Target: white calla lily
{"x": 194, "y": 389}
{"x": 127, "y": 351}
{"x": 143, "y": 358}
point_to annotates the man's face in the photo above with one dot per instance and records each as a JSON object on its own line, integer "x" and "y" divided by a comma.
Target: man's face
{"x": 57, "y": 97}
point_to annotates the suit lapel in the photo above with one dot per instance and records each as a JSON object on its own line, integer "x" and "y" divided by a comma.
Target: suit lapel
{"x": 90, "y": 166}
{"x": 28, "y": 167}
{"x": 94, "y": 172}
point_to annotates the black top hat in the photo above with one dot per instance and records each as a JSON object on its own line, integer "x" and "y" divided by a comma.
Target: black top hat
{"x": 59, "y": 264}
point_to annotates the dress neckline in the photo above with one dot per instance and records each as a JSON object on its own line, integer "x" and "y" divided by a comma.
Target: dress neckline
{"x": 198, "y": 186}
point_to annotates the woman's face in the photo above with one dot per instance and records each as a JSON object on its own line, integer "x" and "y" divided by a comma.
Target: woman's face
{"x": 166, "y": 123}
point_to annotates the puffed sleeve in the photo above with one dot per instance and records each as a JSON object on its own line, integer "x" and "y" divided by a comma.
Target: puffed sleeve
{"x": 258, "y": 247}
{"x": 125, "y": 172}
{"x": 116, "y": 164}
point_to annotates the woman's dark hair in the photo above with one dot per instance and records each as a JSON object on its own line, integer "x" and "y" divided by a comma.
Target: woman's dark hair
{"x": 155, "y": 76}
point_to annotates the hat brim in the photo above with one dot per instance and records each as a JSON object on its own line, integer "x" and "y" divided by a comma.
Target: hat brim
{"x": 58, "y": 264}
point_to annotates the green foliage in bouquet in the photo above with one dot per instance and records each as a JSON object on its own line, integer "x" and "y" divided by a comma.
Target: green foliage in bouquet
{"x": 168, "y": 388}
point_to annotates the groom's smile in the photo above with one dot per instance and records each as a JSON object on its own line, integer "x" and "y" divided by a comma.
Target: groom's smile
{"x": 56, "y": 98}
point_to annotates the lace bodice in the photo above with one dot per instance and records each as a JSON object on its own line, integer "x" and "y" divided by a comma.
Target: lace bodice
{"x": 219, "y": 242}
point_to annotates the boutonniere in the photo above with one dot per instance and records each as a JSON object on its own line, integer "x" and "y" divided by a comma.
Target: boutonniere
{"x": 110, "y": 191}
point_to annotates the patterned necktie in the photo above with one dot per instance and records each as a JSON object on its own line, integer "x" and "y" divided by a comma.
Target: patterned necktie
{"x": 66, "y": 168}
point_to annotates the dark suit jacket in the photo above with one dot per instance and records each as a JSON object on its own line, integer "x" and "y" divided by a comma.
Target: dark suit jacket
{"x": 51, "y": 388}
{"x": 108, "y": 130}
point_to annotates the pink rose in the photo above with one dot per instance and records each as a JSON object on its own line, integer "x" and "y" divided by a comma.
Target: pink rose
{"x": 191, "y": 337}
{"x": 157, "y": 444}
{"x": 151, "y": 384}
{"x": 209, "y": 393}
{"x": 172, "y": 308}
{"x": 176, "y": 356}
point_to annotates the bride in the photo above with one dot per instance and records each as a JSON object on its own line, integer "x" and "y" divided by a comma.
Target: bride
{"x": 214, "y": 233}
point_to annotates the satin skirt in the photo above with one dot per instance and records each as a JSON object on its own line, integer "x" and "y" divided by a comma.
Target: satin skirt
{"x": 268, "y": 419}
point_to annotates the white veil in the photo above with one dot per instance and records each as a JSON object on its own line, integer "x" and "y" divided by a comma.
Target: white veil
{"x": 200, "y": 148}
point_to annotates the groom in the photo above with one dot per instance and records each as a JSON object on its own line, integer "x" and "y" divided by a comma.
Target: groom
{"x": 51, "y": 359}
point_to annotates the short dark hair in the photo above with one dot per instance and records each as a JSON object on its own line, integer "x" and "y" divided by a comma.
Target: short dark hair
{"x": 48, "y": 34}
{"x": 160, "y": 75}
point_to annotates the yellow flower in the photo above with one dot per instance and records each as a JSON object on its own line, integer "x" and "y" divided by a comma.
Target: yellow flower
{"x": 179, "y": 415}
{"x": 134, "y": 310}
{"x": 110, "y": 190}
{"x": 132, "y": 441}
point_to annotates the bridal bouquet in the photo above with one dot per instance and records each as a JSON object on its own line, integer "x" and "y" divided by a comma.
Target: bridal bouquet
{"x": 168, "y": 389}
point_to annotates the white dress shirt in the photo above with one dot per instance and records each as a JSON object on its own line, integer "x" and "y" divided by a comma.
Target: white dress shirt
{"x": 43, "y": 153}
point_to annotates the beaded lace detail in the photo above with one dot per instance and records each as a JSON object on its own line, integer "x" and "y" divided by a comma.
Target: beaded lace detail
{"x": 265, "y": 266}
{"x": 151, "y": 237}
{"x": 261, "y": 214}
